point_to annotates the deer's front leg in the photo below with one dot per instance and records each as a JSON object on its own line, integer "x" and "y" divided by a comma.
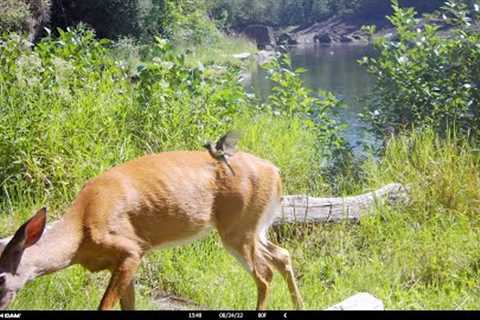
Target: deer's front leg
{"x": 121, "y": 284}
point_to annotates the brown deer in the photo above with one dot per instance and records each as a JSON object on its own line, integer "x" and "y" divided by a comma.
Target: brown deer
{"x": 155, "y": 201}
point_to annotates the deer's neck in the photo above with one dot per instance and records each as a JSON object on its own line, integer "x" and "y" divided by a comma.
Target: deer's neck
{"x": 55, "y": 250}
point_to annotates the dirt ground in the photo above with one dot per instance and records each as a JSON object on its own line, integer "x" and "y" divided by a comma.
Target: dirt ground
{"x": 167, "y": 301}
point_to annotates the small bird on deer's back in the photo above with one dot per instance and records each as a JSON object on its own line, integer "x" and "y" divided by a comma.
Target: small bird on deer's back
{"x": 224, "y": 148}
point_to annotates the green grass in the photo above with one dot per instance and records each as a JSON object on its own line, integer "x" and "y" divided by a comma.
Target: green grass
{"x": 220, "y": 52}
{"x": 421, "y": 256}
{"x": 285, "y": 142}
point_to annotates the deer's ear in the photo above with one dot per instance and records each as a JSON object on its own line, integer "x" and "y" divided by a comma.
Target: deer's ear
{"x": 34, "y": 227}
{"x": 27, "y": 235}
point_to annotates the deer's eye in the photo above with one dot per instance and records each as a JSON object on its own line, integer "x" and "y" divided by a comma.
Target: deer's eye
{"x": 2, "y": 280}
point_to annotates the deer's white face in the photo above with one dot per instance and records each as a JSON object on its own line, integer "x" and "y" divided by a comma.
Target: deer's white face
{"x": 11, "y": 255}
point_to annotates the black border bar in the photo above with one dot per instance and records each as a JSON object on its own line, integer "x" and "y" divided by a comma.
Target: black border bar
{"x": 247, "y": 315}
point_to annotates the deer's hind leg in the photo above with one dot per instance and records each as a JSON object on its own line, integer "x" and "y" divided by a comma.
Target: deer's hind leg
{"x": 248, "y": 242}
{"x": 280, "y": 259}
{"x": 246, "y": 252}
{"x": 127, "y": 301}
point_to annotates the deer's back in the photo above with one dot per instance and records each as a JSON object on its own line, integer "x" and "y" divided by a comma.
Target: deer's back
{"x": 173, "y": 196}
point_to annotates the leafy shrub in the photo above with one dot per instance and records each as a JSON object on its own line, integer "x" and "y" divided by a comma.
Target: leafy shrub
{"x": 14, "y": 15}
{"x": 157, "y": 18}
{"x": 426, "y": 78}
{"x": 184, "y": 102}
{"x": 185, "y": 21}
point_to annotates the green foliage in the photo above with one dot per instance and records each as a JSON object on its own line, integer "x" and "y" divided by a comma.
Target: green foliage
{"x": 188, "y": 26}
{"x": 157, "y": 17}
{"x": 240, "y": 13}
{"x": 68, "y": 99}
{"x": 173, "y": 96}
{"x": 185, "y": 21}
{"x": 288, "y": 143}
{"x": 221, "y": 52}
{"x": 425, "y": 78}
{"x": 194, "y": 22}
{"x": 452, "y": 186}
{"x": 14, "y": 15}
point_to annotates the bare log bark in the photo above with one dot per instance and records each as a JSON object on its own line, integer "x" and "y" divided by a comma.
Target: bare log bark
{"x": 306, "y": 209}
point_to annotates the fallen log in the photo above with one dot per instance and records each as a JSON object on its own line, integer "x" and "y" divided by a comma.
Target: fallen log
{"x": 306, "y": 209}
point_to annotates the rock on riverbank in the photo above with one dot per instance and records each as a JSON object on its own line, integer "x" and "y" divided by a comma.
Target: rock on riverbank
{"x": 336, "y": 30}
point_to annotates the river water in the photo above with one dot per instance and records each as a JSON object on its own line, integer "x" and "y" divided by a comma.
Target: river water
{"x": 334, "y": 69}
